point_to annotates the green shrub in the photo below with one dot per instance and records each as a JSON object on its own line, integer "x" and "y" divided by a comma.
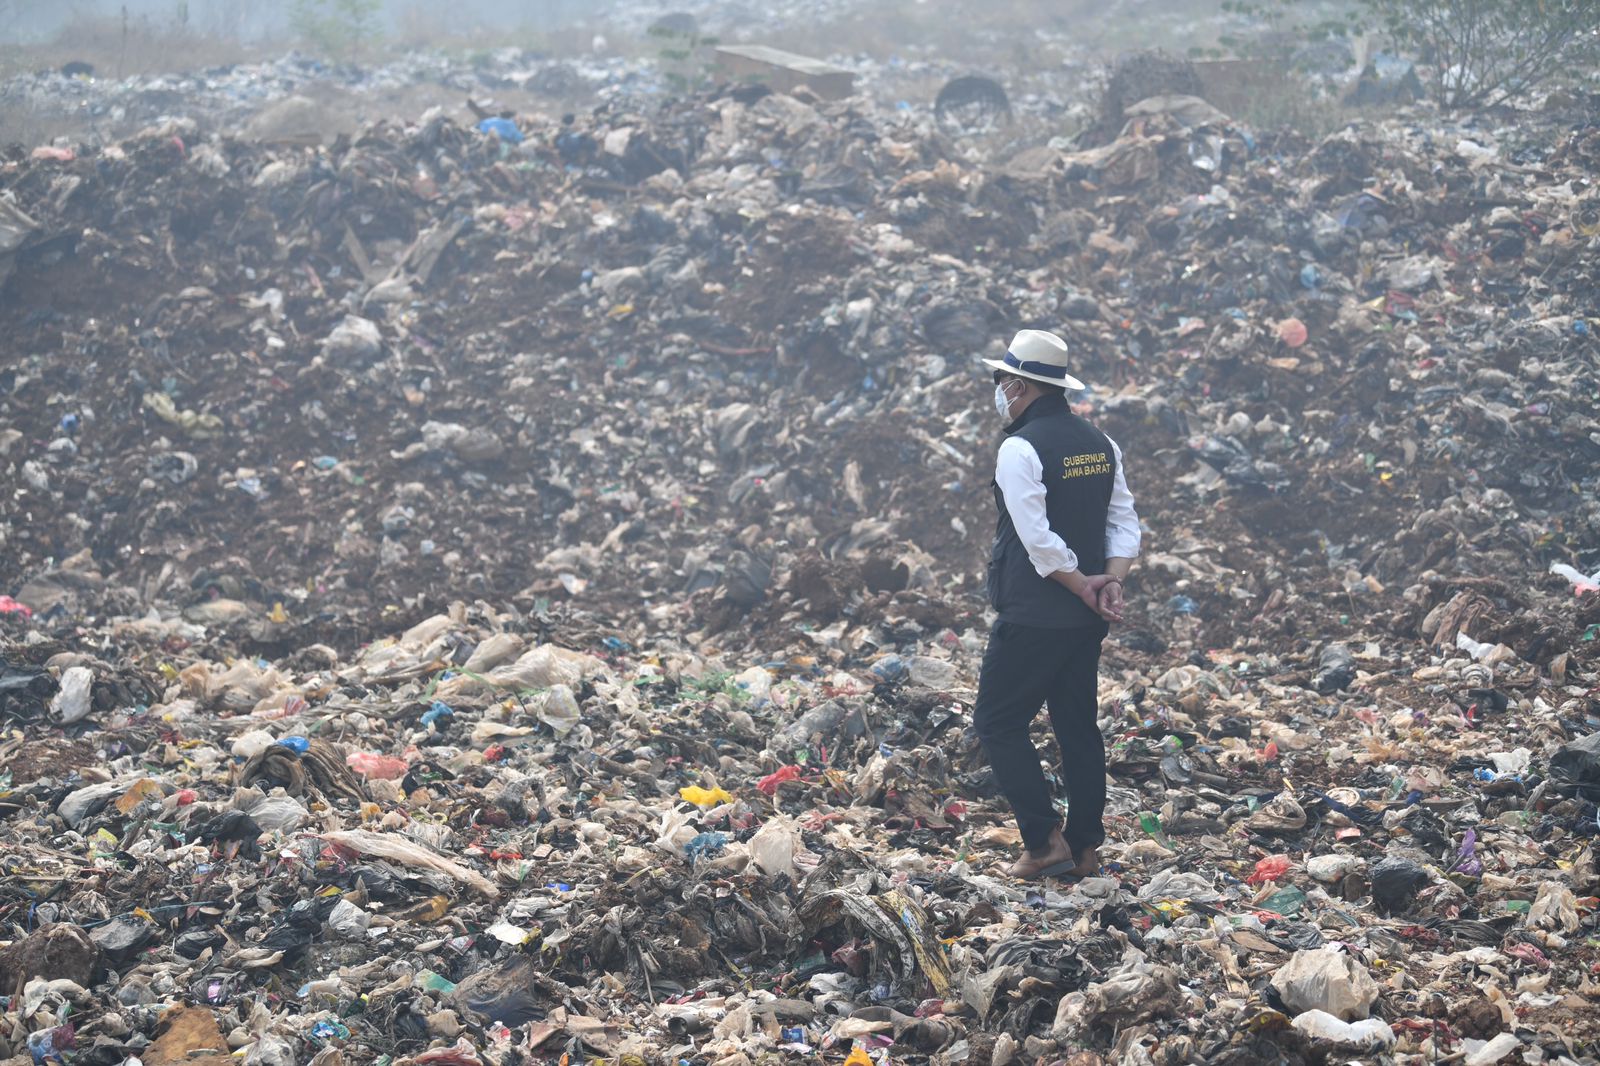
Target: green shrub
{"x": 684, "y": 58}
{"x": 337, "y": 29}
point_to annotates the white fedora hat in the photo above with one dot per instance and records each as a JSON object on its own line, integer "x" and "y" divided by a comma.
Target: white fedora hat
{"x": 1039, "y": 355}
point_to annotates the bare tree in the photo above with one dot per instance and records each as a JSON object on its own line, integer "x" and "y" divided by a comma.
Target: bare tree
{"x": 1481, "y": 52}
{"x": 1485, "y": 52}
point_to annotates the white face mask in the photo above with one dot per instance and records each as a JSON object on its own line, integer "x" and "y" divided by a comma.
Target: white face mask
{"x": 1002, "y": 404}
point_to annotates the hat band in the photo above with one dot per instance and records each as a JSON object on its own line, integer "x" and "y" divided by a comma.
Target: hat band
{"x": 1030, "y": 366}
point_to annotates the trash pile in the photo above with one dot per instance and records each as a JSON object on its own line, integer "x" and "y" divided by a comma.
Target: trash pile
{"x": 299, "y": 98}
{"x": 287, "y": 98}
{"x": 507, "y": 594}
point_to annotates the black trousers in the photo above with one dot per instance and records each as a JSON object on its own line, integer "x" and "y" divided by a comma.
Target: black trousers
{"x": 1025, "y": 668}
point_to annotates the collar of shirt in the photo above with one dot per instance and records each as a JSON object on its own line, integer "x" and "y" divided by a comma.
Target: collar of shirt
{"x": 1048, "y": 404}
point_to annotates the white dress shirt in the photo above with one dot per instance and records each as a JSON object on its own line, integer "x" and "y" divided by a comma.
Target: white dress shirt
{"x": 1020, "y": 475}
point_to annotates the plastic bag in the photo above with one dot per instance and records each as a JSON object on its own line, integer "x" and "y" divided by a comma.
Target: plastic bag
{"x": 704, "y": 797}
{"x": 1368, "y": 1034}
{"x": 1396, "y": 882}
{"x": 1287, "y": 902}
{"x": 704, "y": 846}
{"x": 348, "y": 920}
{"x": 248, "y": 745}
{"x": 756, "y": 683}
{"x": 774, "y": 846}
{"x": 1326, "y": 980}
{"x": 1271, "y": 868}
{"x": 1330, "y": 869}
{"x": 398, "y": 849}
{"x": 492, "y": 651}
{"x": 1555, "y": 908}
{"x": 770, "y": 783}
{"x": 281, "y": 814}
{"x": 72, "y": 702}
{"x": 1575, "y": 768}
{"x": 559, "y": 710}
{"x": 377, "y": 767}
{"x": 1337, "y": 668}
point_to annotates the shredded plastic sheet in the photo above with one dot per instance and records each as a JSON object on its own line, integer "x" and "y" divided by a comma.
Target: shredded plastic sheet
{"x": 407, "y": 853}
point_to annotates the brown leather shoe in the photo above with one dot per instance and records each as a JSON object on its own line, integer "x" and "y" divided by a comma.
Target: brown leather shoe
{"x": 1054, "y": 861}
{"x": 1088, "y": 864}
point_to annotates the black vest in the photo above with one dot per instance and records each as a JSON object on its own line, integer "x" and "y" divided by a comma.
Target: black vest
{"x": 1079, "y": 469}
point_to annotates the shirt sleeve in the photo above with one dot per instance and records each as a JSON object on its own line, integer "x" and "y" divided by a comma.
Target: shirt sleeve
{"x": 1020, "y": 475}
{"x": 1123, "y": 536}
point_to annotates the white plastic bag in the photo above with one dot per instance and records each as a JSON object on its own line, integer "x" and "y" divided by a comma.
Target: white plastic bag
{"x": 72, "y": 702}
{"x": 774, "y": 846}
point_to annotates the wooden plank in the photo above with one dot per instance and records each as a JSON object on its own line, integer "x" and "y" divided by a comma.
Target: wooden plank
{"x": 784, "y": 71}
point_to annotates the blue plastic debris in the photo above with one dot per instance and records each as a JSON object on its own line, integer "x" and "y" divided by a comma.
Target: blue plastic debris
{"x": 890, "y": 668}
{"x": 50, "y": 1045}
{"x": 704, "y": 846}
{"x": 502, "y": 128}
{"x": 325, "y": 1031}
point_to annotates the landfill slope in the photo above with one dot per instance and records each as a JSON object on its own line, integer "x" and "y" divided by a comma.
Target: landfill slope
{"x": 522, "y": 599}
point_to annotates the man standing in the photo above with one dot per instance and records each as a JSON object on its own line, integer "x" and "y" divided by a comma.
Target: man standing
{"x": 1065, "y": 538}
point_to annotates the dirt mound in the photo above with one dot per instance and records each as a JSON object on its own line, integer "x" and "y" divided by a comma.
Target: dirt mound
{"x": 1135, "y": 77}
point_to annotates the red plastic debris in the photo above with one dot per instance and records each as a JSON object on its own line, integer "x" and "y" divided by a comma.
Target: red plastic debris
{"x": 770, "y": 783}
{"x": 377, "y": 767}
{"x": 1271, "y": 868}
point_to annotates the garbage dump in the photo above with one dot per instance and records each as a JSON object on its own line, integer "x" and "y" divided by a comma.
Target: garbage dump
{"x": 486, "y": 598}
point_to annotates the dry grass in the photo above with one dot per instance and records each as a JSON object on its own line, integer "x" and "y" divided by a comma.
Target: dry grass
{"x": 1269, "y": 96}
{"x": 428, "y": 26}
{"x": 1297, "y": 108}
{"x": 1014, "y": 33}
{"x": 895, "y": 27}
{"x": 118, "y": 48}
{"x": 115, "y": 49}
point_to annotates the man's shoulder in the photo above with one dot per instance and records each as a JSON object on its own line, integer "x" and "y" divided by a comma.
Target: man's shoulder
{"x": 1055, "y": 423}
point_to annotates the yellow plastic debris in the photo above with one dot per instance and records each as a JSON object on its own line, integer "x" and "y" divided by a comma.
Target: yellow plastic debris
{"x": 704, "y": 797}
